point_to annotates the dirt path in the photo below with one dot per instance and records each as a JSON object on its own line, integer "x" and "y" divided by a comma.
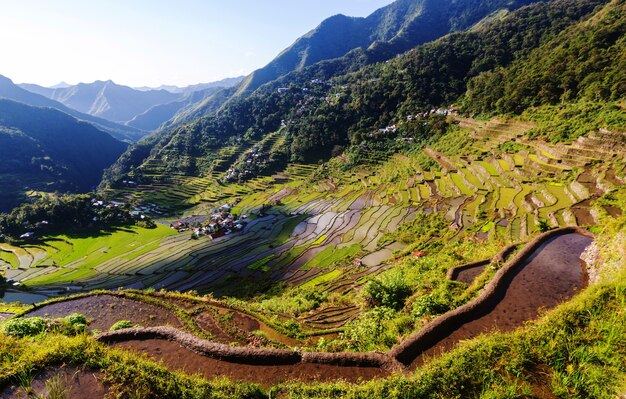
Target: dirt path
{"x": 552, "y": 275}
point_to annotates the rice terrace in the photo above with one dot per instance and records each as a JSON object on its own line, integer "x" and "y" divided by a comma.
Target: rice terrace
{"x": 432, "y": 205}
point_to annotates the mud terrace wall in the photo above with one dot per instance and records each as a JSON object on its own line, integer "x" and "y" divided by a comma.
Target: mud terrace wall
{"x": 247, "y": 355}
{"x": 409, "y": 349}
{"x": 397, "y": 358}
{"x": 500, "y": 257}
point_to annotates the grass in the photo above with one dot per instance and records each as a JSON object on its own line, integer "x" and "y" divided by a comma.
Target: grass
{"x": 85, "y": 252}
{"x": 489, "y": 168}
{"x": 10, "y": 258}
{"x": 320, "y": 240}
{"x": 287, "y": 230}
{"x": 261, "y": 264}
{"x": 332, "y": 256}
{"x": 323, "y": 278}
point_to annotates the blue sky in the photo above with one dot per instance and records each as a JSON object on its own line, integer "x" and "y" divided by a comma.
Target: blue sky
{"x": 154, "y": 42}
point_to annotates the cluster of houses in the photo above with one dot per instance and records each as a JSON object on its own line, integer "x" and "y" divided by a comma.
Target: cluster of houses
{"x": 219, "y": 223}
{"x": 252, "y": 161}
{"x": 438, "y": 111}
{"x": 318, "y": 82}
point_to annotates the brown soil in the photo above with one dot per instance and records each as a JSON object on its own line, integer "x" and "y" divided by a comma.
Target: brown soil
{"x": 614, "y": 211}
{"x": 553, "y": 274}
{"x": 540, "y": 379}
{"x": 582, "y": 214}
{"x": 105, "y": 310}
{"x": 206, "y": 321}
{"x": 245, "y": 322}
{"x": 467, "y": 276}
{"x": 78, "y": 384}
{"x": 179, "y": 358}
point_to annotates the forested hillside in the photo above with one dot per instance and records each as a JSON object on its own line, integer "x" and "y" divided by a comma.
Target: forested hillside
{"x": 585, "y": 62}
{"x": 318, "y": 115}
{"x": 46, "y": 150}
{"x": 343, "y": 44}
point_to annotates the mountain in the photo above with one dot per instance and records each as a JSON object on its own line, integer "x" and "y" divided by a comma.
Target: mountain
{"x": 106, "y": 100}
{"x": 158, "y": 114}
{"x": 43, "y": 149}
{"x": 322, "y": 116}
{"x": 11, "y": 91}
{"x": 390, "y": 30}
{"x": 586, "y": 62}
{"x": 341, "y": 44}
{"x": 61, "y": 85}
{"x": 224, "y": 83}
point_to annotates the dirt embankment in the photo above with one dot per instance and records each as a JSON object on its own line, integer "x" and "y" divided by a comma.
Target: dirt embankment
{"x": 184, "y": 351}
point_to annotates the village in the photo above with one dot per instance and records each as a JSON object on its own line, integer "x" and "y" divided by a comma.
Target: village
{"x": 221, "y": 222}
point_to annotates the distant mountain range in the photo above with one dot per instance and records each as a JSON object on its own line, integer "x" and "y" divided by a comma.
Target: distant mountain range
{"x": 44, "y": 149}
{"x": 11, "y": 91}
{"x": 224, "y": 83}
{"x": 105, "y": 99}
{"x": 143, "y": 108}
{"x": 155, "y": 116}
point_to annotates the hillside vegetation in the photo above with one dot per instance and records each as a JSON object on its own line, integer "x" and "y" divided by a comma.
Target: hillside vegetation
{"x": 320, "y": 116}
{"x": 45, "y": 150}
{"x": 340, "y": 218}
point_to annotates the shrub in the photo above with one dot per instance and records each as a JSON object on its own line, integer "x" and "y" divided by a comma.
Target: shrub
{"x": 73, "y": 324}
{"x": 433, "y": 304}
{"x": 390, "y": 291}
{"x": 122, "y": 324}
{"x": 370, "y": 330}
{"x": 23, "y": 327}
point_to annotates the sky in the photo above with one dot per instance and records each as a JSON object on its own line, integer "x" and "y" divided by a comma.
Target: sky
{"x": 154, "y": 42}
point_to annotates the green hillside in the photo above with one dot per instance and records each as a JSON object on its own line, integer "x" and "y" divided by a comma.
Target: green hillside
{"x": 343, "y": 44}
{"x": 321, "y": 116}
{"x": 44, "y": 150}
{"x": 448, "y": 223}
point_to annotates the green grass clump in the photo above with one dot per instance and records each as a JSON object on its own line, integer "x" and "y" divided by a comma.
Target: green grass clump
{"x": 25, "y": 327}
{"x": 72, "y": 324}
{"x": 391, "y": 290}
{"x": 121, "y": 324}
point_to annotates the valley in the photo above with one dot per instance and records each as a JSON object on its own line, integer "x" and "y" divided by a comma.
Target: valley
{"x": 429, "y": 202}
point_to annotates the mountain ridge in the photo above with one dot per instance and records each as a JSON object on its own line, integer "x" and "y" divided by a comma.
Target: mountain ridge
{"x": 11, "y": 91}
{"x": 48, "y": 150}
